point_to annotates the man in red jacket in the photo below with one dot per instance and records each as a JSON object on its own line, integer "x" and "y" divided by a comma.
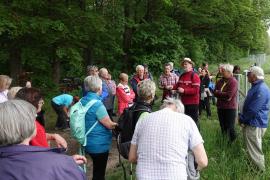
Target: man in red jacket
{"x": 188, "y": 87}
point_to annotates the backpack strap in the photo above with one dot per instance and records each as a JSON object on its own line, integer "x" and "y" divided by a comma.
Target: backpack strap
{"x": 86, "y": 108}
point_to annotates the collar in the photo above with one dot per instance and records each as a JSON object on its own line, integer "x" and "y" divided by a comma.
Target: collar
{"x": 19, "y": 148}
{"x": 92, "y": 95}
{"x": 259, "y": 81}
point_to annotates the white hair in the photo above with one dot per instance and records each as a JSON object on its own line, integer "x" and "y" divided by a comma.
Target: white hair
{"x": 13, "y": 91}
{"x": 172, "y": 101}
{"x": 138, "y": 67}
{"x": 92, "y": 83}
{"x": 103, "y": 73}
{"x": 228, "y": 68}
{"x": 146, "y": 90}
{"x": 17, "y": 121}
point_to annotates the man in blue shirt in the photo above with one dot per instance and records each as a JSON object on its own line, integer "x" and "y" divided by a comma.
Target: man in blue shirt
{"x": 254, "y": 118}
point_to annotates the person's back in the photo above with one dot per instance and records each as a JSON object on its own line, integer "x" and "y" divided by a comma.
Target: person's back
{"x": 28, "y": 162}
{"x": 163, "y": 139}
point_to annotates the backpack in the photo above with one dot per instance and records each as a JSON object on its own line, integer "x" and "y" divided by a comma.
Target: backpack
{"x": 126, "y": 126}
{"x": 77, "y": 121}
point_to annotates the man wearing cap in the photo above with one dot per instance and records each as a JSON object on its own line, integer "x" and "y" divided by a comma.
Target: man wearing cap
{"x": 188, "y": 86}
{"x": 254, "y": 118}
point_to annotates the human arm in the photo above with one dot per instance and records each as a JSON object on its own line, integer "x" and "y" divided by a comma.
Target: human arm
{"x": 108, "y": 123}
{"x": 229, "y": 90}
{"x": 195, "y": 86}
{"x": 132, "y": 156}
{"x": 59, "y": 140}
{"x": 200, "y": 156}
{"x": 122, "y": 96}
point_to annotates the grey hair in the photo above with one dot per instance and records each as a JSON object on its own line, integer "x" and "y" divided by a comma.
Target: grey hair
{"x": 146, "y": 90}
{"x": 92, "y": 83}
{"x": 17, "y": 121}
{"x": 13, "y": 91}
{"x": 172, "y": 101}
{"x": 102, "y": 72}
{"x": 139, "y": 67}
{"x": 228, "y": 68}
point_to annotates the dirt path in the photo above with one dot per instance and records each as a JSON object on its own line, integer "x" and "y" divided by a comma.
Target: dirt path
{"x": 73, "y": 147}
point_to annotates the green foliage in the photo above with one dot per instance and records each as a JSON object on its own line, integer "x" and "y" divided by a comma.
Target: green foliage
{"x": 78, "y": 33}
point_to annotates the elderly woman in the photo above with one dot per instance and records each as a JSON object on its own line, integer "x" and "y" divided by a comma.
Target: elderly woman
{"x": 5, "y": 82}
{"x": 124, "y": 94}
{"x": 138, "y": 77}
{"x": 100, "y": 139}
{"x": 18, "y": 160}
{"x": 33, "y": 96}
{"x": 226, "y": 92}
{"x": 161, "y": 141}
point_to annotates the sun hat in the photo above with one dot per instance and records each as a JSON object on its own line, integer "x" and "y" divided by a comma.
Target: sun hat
{"x": 186, "y": 59}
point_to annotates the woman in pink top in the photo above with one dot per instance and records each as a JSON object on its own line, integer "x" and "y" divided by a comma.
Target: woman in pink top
{"x": 124, "y": 94}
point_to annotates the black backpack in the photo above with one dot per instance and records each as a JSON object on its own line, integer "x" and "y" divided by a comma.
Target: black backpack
{"x": 126, "y": 126}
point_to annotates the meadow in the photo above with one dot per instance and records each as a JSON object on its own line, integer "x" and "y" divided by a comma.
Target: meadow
{"x": 226, "y": 161}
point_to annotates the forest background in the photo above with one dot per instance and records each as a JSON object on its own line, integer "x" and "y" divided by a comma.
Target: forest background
{"x": 54, "y": 39}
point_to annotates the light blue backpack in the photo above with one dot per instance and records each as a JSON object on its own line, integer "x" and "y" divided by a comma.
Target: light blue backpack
{"x": 77, "y": 121}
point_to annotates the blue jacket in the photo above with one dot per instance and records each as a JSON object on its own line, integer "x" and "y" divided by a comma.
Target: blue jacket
{"x": 31, "y": 162}
{"x": 256, "y": 106}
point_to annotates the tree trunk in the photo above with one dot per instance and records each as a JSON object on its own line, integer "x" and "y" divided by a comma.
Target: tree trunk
{"x": 15, "y": 63}
{"x": 56, "y": 65}
{"x": 127, "y": 36}
{"x": 88, "y": 60}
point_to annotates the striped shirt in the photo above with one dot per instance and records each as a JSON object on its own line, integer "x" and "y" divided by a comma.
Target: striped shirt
{"x": 169, "y": 80}
{"x": 163, "y": 139}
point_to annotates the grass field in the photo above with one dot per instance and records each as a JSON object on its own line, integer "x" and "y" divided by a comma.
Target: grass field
{"x": 226, "y": 161}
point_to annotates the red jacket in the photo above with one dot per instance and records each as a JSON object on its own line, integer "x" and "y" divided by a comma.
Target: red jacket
{"x": 191, "y": 86}
{"x": 124, "y": 99}
{"x": 40, "y": 139}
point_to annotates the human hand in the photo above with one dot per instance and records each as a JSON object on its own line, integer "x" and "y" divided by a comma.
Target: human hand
{"x": 181, "y": 90}
{"x": 79, "y": 159}
{"x": 59, "y": 140}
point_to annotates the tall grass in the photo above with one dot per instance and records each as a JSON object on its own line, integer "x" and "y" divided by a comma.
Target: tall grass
{"x": 226, "y": 161}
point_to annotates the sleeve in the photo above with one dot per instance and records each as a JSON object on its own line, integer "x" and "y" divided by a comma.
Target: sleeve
{"x": 40, "y": 138}
{"x": 195, "y": 88}
{"x": 195, "y": 137}
{"x": 252, "y": 108}
{"x": 231, "y": 89}
{"x": 101, "y": 112}
{"x": 105, "y": 92}
{"x": 134, "y": 85}
{"x": 135, "y": 136}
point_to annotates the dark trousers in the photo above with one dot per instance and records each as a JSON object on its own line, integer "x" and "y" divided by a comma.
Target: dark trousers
{"x": 61, "y": 122}
{"x": 193, "y": 111}
{"x": 227, "y": 120}
{"x": 205, "y": 104}
{"x": 99, "y": 165}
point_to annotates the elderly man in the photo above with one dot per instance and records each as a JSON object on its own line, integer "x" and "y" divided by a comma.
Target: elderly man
{"x": 226, "y": 93}
{"x": 161, "y": 141}
{"x": 189, "y": 88}
{"x": 138, "y": 77}
{"x": 254, "y": 118}
{"x": 167, "y": 80}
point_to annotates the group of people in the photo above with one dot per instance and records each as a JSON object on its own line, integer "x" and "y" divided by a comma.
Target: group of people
{"x": 161, "y": 139}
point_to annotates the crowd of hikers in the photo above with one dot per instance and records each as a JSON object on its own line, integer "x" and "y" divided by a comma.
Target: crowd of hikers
{"x": 165, "y": 144}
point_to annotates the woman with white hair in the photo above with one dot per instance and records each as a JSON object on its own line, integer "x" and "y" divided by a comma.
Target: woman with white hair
{"x": 100, "y": 138}
{"x": 18, "y": 160}
{"x": 5, "y": 82}
{"x": 138, "y": 77}
{"x": 226, "y": 93}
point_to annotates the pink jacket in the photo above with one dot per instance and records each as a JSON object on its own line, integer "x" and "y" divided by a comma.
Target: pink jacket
{"x": 125, "y": 99}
